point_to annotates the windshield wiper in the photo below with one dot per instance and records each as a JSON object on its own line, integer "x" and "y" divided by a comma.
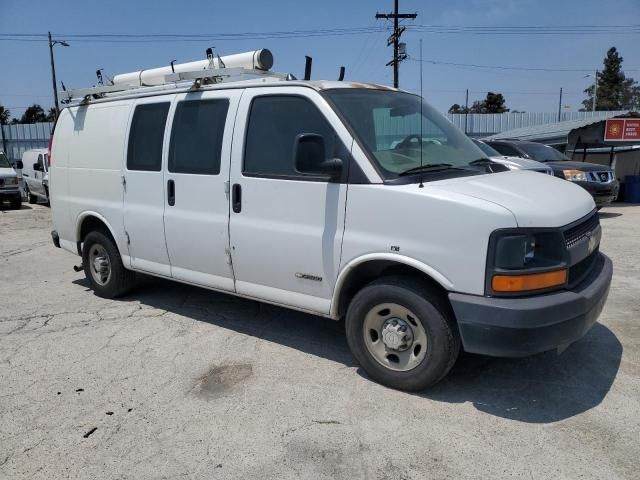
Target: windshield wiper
{"x": 432, "y": 167}
{"x": 481, "y": 162}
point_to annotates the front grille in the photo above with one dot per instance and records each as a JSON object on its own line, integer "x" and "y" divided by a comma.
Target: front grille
{"x": 581, "y": 269}
{"x": 574, "y": 234}
{"x": 601, "y": 177}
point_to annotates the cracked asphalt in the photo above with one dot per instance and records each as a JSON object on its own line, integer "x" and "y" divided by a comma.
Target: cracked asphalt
{"x": 174, "y": 381}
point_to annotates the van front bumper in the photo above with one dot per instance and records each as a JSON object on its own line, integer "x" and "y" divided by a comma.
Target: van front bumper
{"x": 10, "y": 193}
{"x": 517, "y": 327}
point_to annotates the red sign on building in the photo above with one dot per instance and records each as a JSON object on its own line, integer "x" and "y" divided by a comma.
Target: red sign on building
{"x": 622, "y": 130}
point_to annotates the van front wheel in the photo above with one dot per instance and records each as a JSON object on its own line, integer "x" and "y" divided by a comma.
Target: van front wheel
{"x": 32, "y": 198}
{"x": 403, "y": 333}
{"x": 103, "y": 266}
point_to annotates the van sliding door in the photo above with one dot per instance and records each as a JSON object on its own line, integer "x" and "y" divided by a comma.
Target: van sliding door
{"x": 196, "y": 214}
{"x": 144, "y": 187}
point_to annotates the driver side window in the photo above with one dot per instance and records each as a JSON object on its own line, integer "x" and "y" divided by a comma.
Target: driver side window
{"x": 274, "y": 123}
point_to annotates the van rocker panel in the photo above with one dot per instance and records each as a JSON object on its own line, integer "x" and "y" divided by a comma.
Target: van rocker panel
{"x": 516, "y": 327}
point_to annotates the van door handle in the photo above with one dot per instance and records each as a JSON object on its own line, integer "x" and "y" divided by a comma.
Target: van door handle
{"x": 236, "y": 197}
{"x": 171, "y": 192}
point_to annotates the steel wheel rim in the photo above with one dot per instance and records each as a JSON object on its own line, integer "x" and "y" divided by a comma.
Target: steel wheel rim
{"x": 385, "y": 342}
{"x": 99, "y": 264}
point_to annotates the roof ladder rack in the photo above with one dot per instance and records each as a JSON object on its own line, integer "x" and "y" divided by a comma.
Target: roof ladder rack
{"x": 191, "y": 75}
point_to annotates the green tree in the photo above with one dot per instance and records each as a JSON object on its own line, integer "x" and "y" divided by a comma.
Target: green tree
{"x": 34, "y": 114}
{"x": 4, "y": 115}
{"x": 493, "y": 103}
{"x": 51, "y": 115}
{"x": 616, "y": 91}
{"x": 456, "y": 108}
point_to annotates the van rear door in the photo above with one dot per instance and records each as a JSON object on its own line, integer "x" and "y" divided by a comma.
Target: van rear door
{"x": 196, "y": 218}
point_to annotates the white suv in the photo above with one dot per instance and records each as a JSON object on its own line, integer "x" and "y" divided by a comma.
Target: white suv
{"x": 290, "y": 192}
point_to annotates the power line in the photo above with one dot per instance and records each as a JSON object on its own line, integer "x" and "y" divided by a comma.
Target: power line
{"x": 434, "y": 29}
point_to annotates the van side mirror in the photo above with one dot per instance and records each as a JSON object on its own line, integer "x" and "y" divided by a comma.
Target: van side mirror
{"x": 19, "y": 165}
{"x": 310, "y": 158}
{"x": 37, "y": 167}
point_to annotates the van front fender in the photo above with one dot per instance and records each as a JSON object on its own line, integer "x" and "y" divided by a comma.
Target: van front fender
{"x": 429, "y": 271}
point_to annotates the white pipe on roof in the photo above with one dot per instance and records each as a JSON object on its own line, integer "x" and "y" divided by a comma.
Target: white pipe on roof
{"x": 259, "y": 59}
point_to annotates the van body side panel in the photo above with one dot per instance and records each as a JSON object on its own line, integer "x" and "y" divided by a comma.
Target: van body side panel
{"x": 424, "y": 224}
{"x": 197, "y": 224}
{"x": 87, "y": 151}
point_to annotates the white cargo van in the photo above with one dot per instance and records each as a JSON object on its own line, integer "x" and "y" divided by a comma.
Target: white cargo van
{"x": 290, "y": 192}
{"x": 35, "y": 174}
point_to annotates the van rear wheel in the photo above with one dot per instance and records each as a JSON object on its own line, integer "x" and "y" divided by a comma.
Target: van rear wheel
{"x": 103, "y": 266}
{"x": 403, "y": 333}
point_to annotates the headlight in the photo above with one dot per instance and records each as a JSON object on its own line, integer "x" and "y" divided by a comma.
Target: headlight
{"x": 10, "y": 181}
{"x": 523, "y": 261}
{"x": 574, "y": 175}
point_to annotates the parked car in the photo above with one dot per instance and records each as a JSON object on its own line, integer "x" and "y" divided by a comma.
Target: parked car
{"x": 289, "y": 192}
{"x": 35, "y": 174}
{"x": 512, "y": 163}
{"x": 598, "y": 180}
{"x": 9, "y": 184}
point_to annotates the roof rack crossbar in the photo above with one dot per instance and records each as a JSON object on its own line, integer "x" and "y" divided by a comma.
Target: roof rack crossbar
{"x": 198, "y": 77}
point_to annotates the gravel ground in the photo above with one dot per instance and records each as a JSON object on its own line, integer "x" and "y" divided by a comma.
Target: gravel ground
{"x": 175, "y": 381}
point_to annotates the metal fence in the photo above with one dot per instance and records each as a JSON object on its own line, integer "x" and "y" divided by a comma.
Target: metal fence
{"x": 485, "y": 124}
{"x": 15, "y": 139}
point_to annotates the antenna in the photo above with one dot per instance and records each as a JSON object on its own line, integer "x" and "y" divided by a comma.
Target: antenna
{"x": 341, "y": 76}
{"x": 421, "y": 100}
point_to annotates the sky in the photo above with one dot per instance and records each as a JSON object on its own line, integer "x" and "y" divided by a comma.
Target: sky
{"x": 25, "y": 76}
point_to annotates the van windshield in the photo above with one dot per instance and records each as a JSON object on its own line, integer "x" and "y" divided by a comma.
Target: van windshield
{"x": 4, "y": 161}
{"x": 490, "y": 151}
{"x": 387, "y": 123}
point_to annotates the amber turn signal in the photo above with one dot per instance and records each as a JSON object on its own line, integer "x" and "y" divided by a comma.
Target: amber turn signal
{"x": 532, "y": 281}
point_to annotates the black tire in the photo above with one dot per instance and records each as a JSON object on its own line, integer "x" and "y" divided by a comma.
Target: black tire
{"x": 16, "y": 203}
{"x": 121, "y": 280}
{"x": 433, "y": 312}
{"x": 32, "y": 198}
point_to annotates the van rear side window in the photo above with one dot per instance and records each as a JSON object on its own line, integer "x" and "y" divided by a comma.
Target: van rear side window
{"x": 196, "y": 136}
{"x": 146, "y": 136}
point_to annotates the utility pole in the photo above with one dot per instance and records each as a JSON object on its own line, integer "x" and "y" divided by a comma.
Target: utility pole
{"x": 595, "y": 92}
{"x": 560, "y": 105}
{"x": 399, "y": 54}
{"x": 466, "y": 112}
{"x": 53, "y": 70}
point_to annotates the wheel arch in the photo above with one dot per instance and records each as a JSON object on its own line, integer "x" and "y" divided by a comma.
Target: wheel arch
{"x": 364, "y": 269}
{"x": 89, "y": 221}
